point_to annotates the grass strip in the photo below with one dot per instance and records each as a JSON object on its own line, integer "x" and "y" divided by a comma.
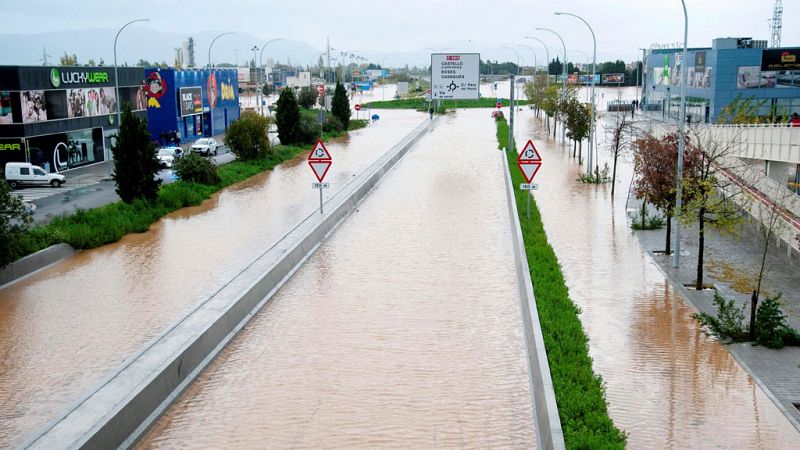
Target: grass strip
{"x": 579, "y": 391}
{"x": 421, "y": 104}
{"x": 95, "y": 227}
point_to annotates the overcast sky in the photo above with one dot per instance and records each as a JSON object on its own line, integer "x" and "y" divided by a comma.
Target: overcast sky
{"x": 383, "y": 27}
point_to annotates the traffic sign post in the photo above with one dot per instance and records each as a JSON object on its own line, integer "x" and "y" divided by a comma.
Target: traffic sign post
{"x": 320, "y": 161}
{"x": 499, "y": 105}
{"x": 529, "y": 163}
{"x": 357, "y": 108}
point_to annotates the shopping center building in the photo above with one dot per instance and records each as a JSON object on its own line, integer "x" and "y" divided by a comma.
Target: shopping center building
{"x": 60, "y": 118}
{"x": 731, "y": 68}
{"x": 63, "y": 117}
{"x": 194, "y": 103}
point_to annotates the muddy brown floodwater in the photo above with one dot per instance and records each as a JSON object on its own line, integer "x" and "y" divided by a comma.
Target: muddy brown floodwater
{"x": 63, "y": 329}
{"x": 403, "y": 330}
{"x": 668, "y": 385}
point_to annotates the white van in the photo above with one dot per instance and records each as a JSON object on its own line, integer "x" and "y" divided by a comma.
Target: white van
{"x": 19, "y": 173}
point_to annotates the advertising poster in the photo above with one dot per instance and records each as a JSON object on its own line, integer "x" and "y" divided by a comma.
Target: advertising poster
{"x": 76, "y": 103}
{"x": 753, "y": 77}
{"x": 613, "y": 78}
{"x": 191, "y": 100}
{"x": 5, "y": 108}
{"x": 34, "y": 106}
{"x": 775, "y": 59}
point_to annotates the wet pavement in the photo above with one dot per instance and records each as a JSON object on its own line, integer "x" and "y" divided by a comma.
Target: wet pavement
{"x": 64, "y": 328}
{"x": 668, "y": 385}
{"x": 402, "y": 330}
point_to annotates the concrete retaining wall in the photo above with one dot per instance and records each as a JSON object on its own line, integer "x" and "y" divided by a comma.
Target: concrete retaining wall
{"x": 35, "y": 262}
{"x": 118, "y": 410}
{"x": 548, "y": 422}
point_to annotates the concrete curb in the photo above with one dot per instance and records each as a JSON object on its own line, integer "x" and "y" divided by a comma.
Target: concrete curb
{"x": 35, "y": 262}
{"x": 548, "y": 423}
{"x": 123, "y": 406}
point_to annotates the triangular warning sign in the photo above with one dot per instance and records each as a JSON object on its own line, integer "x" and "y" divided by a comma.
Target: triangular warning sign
{"x": 529, "y": 169}
{"x": 529, "y": 153}
{"x": 319, "y": 152}
{"x": 320, "y": 168}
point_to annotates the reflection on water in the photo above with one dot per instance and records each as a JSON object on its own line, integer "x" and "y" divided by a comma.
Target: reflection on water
{"x": 63, "y": 329}
{"x": 668, "y": 385}
{"x": 403, "y": 330}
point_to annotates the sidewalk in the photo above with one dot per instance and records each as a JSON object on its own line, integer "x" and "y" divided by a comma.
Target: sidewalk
{"x": 732, "y": 264}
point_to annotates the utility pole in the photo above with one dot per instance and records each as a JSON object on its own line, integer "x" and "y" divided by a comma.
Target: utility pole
{"x": 44, "y": 60}
{"x": 329, "y": 57}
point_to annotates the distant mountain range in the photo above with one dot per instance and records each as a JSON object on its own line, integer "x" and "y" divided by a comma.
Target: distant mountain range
{"x": 137, "y": 43}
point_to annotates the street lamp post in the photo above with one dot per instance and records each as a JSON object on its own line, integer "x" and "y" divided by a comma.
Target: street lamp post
{"x": 254, "y": 49}
{"x": 260, "y": 75}
{"x": 564, "y": 73}
{"x": 116, "y": 72}
{"x": 535, "y": 63}
{"x": 547, "y": 53}
{"x": 594, "y": 68}
{"x": 212, "y": 44}
{"x": 676, "y": 257}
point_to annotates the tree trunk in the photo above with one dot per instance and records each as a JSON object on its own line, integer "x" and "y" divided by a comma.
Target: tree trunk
{"x": 614, "y": 173}
{"x": 700, "y": 245}
{"x": 574, "y": 148}
{"x": 668, "y": 246}
{"x": 580, "y": 153}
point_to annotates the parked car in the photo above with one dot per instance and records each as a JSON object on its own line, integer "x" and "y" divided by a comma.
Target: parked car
{"x": 206, "y": 146}
{"x": 168, "y": 155}
{"x": 19, "y": 174}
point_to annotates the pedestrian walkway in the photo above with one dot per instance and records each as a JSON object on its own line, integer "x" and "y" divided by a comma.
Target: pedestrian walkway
{"x": 732, "y": 264}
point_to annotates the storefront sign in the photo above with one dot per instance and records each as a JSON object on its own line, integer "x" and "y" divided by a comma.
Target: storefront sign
{"x": 191, "y": 100}
{"x": 10, "y": 145}
{"x": 775, "y": 59}
{"x": 58, "y": 76}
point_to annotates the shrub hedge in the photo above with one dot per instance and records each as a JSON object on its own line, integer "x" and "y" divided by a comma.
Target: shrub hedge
{"x": 579, "y": 391}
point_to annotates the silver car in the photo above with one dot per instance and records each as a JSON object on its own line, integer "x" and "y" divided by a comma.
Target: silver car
{"x": 168, "y": 155}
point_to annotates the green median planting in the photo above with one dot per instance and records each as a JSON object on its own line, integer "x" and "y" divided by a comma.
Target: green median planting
{"x": 579, "y": 391}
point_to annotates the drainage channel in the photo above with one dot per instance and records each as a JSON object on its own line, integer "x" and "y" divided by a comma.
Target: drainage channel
{"x": 403, "y": 329}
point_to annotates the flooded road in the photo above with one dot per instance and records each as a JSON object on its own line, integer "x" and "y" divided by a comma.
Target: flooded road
{"x": 402, "y": 330}
{"x": 668, "y": 386}
{"x": 63, "y": 329}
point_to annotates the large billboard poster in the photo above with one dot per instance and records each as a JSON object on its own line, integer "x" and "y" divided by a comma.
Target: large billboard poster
{"x": 191, "y": 100}
{"x": 91, "y": 102}
{"x": 752, "y": 77}
{"x": 775, "y": 59}
{"x": 455, "y": 76}
{"x": 34, "y": 106}
{"x": 613, "y": 78}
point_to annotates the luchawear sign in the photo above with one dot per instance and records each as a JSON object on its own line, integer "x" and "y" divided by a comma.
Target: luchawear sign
{"x": 455, "y": 76}
{"x": 775, "y": 59}
{"x": 58, "y": 76}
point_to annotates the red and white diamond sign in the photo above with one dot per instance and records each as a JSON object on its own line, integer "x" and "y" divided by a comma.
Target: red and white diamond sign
{"x": 529, "y": 161}
{"x": 320, "y": 160}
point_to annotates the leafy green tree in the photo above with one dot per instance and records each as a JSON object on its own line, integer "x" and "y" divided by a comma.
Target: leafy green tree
{"x": 711, "y": 194}
{"x": 135, "y": 162}
{"x": 307, "y": 97}
{"x": 655, "y": 163}
{"x": 287, "y": 117}
{"x": 550, "y": 104}
{"x": 15, "y": 220}
{"x": 578, "y": 121}
{"x": 340, "y": 106}
{"x": 247, "y": 136}
{"x": 68, "y": 60}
